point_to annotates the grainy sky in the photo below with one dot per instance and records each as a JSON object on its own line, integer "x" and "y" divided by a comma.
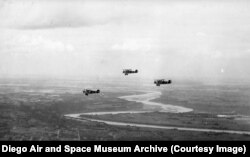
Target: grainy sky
{"x": 99, "y": 38}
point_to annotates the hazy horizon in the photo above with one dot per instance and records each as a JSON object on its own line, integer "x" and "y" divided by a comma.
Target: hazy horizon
{"x": 206, "y": 40}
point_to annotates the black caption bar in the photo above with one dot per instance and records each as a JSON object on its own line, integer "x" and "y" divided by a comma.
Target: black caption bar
{"x": 168, "y": 148}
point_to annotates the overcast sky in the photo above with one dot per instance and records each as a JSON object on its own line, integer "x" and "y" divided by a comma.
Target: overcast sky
{"x": 160, "y": 38}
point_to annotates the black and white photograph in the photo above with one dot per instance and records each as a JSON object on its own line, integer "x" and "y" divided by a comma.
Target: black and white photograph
{"x": 124, "y": 70}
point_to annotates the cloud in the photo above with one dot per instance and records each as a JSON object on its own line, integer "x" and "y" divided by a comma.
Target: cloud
{"x": 54, "y": 14}
{"x": 37, "y": 43}
{"x": 201, "y": 34}
{"x": 134, "y": 45}
{"x": 125, "y": 46}
{"x": 216, "y": 54}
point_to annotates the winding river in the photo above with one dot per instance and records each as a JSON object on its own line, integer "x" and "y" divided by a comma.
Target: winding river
{"x": 149, "y": 106}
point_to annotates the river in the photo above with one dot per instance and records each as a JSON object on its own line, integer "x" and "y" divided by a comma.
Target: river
{"x": 154, "y": 106}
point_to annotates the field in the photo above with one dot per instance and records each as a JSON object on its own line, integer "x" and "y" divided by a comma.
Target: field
{"x": 35, "y": 109}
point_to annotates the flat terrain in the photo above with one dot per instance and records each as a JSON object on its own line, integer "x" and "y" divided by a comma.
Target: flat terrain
{"x": 189, "y": 120}
{"x": 35, "y": 109}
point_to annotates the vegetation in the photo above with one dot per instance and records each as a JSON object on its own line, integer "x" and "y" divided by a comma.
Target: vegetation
{"x": 36, "y": 112}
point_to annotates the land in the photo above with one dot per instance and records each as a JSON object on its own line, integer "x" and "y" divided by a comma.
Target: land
{"x": 35, "y": 109}
{"x": 189, "y": 120}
